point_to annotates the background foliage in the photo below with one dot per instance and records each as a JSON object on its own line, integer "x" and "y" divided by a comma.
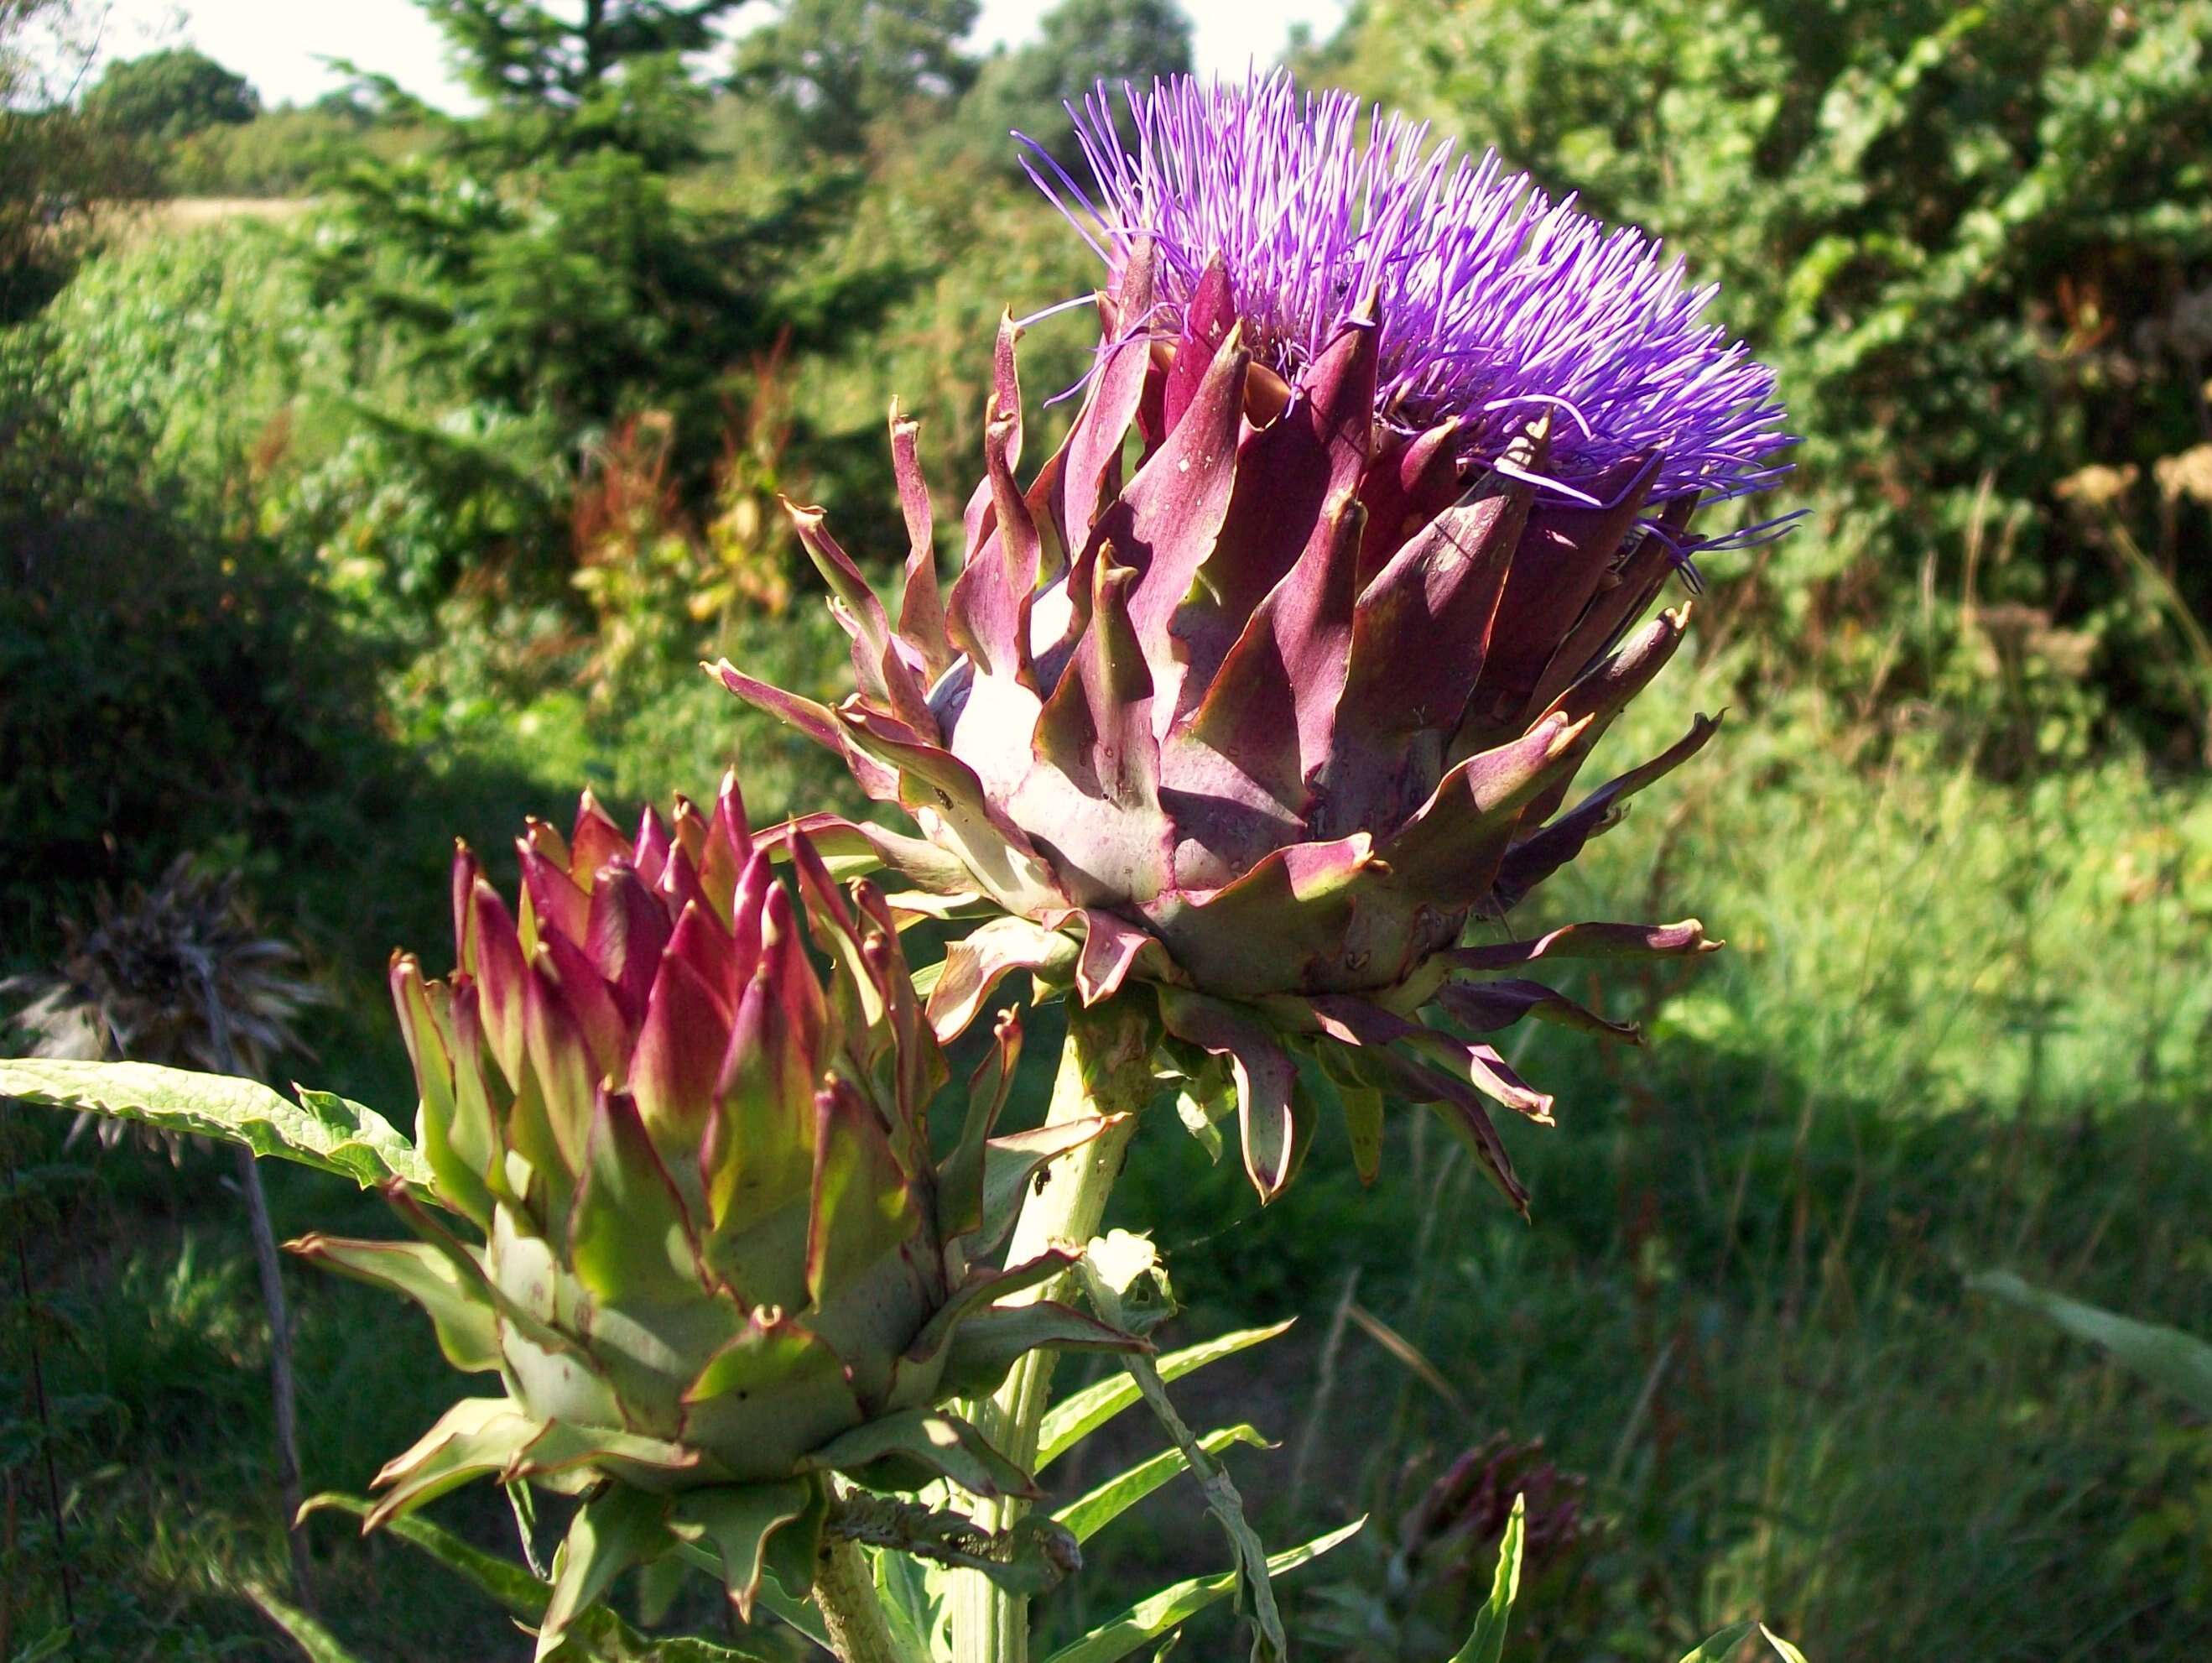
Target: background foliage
{"x": 406, "y": 505}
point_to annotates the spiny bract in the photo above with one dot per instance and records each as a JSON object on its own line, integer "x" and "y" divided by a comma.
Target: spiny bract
{"x": 1257, "y": 731}
{"x": 719, "y": 1260}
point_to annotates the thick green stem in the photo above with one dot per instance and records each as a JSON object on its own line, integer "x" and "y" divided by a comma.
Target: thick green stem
{"x": 845, "y": 1594}
{"x": 1104, "y": 1070}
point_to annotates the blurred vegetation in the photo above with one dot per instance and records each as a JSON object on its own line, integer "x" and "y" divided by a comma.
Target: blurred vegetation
{"x": 170, "y": 94}
{"x": 325, "y": 539}
{"x": 54, "y": 158}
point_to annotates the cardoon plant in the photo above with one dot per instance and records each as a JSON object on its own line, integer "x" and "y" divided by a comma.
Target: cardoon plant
{"x": 1256, "y": 734}
{"x": 721, "y": 1261}
{"x": 717, "y": 1260}
{"x": 1257, "y": 745}
{"x": 1252, "y": 715}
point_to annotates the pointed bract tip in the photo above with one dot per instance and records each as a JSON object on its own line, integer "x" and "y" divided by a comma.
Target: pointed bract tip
{"x": 1566, "y": 734}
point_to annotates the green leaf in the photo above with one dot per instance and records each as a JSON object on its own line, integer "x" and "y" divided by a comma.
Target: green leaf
{"x": 902, "y": 1593}
{"x": 1203, "y": 1102}
{"x": 474, "y": 1438}
{"x": 467, "y": 1326}
{"x": 1788, "y": 1652}
{"x": 612, "y": 1532}
{"x": 598, "y": 1634}
{"x": 1076, "y": 1417}
{"x": 1148, "y": 1619}
{"x": 738, "y": 1521}
{"x": 985, "y": 1347}
{"x": 799, "y": 1613}
{"x": 515, "y": 1589}
{"x": 320, "y": 1130}
{"x": 910, "y": 1447}
{"x": 1088, "y": 1515}
{"x": 1123, "y": 1277}
{"x": 1719, "y": 1647}
{"x": 1487, "y": 1643}
{"x": 320, "y": 1645}
{"x": 1125, "y": 1281}
{"x": 2167, "y": 1357}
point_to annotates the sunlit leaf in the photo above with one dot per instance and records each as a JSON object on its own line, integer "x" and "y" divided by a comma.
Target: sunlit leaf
{"x": 1487, "y": 1643}
{"x": 1086, "y": 1517}
{"x": 320, "y": 1645}
{"x": 1789, "y": 1653}
{"x": 1148, "y": 1619}
{"x": 1075, "y": 1417}
{"x": 320, "y": 1130}
{"x": 2167, "y": 1357}
{"x": 1719, "y": 1647}
{"x": 598, "y": 1634}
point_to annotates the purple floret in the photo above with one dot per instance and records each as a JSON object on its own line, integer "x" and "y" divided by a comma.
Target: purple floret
{"x": 1498, "y": 304}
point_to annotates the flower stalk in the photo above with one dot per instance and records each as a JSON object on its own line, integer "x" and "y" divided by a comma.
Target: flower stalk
{"x": 845, "y": 1594}
{"x": 1105, "y": 1072}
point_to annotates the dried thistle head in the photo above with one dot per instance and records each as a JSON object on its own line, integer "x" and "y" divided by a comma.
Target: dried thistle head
{"x": 178, "y": 975}
{"x": 1452, "y": 1530}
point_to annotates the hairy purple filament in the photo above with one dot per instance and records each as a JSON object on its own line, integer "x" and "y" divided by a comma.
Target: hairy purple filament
{"x": 1497, "y": 303}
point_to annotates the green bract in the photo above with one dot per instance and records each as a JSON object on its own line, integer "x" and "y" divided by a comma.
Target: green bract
{"x": 719, "y": 1259}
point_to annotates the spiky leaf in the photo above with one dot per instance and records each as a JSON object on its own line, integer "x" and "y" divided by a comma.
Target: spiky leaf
{"x": 1487, "y": 1643}
{"x": 1068, "y": 1422}
{"x": 320, "y": 1130}
{"x": 1171, "y": 1607}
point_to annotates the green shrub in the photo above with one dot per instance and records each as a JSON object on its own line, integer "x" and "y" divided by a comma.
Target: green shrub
{"x": 280, "y": 153}
{"x": 167, "y": 685}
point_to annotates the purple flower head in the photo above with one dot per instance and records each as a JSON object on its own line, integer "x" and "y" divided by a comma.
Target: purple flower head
{"x": 1497, "y": 303}
{"x": 1276, "y": 676}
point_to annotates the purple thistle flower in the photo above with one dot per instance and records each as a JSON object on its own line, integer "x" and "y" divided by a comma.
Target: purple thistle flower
{"x": 1497, "y": 303}
{"x": 1272, "y": 683}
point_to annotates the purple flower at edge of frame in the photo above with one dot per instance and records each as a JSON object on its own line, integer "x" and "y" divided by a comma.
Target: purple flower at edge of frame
{"x": 1498, "y": 304}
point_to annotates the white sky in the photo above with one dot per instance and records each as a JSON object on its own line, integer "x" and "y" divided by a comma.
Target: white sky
{"x": 279, "y": 45}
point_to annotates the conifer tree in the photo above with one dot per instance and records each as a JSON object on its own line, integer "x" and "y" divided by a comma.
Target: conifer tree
{"x": 539, "y": 255}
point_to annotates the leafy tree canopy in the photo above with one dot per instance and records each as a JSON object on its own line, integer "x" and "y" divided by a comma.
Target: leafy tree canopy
{"x": 53, "y": 159}
{"x": 1082, "y": 42}
{"x": 829, "y": 69}
{"x": 544, "y": 259}
{"x": 511, "y": 49}
{"x": 171, "y": 94}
